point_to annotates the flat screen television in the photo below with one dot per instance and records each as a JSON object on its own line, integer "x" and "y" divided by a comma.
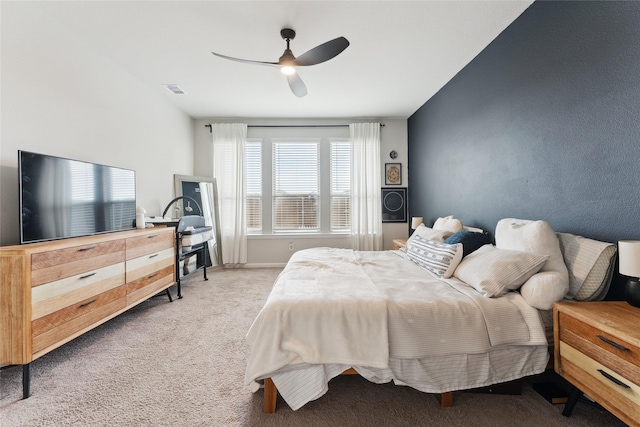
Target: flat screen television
{"x": 62, "y": 198}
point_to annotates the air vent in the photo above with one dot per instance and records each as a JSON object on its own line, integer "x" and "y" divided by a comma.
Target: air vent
{"x": 175, "y": 89}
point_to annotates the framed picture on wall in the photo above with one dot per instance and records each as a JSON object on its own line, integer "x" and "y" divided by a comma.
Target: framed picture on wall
{"x": 394, "y": 205}
{"x": 392, "y": 174}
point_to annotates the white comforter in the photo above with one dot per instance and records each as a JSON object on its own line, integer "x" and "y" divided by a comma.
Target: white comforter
{"x": 323, "y": 308}
{"x": 376, "y": 311}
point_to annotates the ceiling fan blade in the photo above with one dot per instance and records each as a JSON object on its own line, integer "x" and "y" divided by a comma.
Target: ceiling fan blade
{"x": 297, "y": 85}
{"x": 246, "y": 61}
{"x": 323, "y": 52}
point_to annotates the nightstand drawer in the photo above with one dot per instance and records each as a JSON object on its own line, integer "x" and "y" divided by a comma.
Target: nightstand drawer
{"x": 596, "y": 350}
{"x": 607, "y": 385}
{"x": 611, "y": 351}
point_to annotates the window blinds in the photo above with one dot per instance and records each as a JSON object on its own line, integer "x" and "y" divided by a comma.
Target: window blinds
{"x": 340, "y": 186}
{"x": 253, "y": 168}
{"x": 296, "y": 177}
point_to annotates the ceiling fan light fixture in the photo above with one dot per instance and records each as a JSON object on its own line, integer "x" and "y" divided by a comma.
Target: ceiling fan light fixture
{"x": 288, "y": 70}
{"x": 288, "y": 61}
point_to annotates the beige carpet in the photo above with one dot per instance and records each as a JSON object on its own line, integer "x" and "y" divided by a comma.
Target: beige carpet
{"x": 182, "y": 364}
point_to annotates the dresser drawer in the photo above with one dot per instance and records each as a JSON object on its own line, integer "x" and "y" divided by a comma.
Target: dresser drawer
{"x": 59, "y": 264}
{"x": 151, "y": 284}
{"x": 148, "y": 264}
{"x": 54, "y": 296}
{"x": 611, "y": 351}
{"x": 64, "y": 323}
{"x": 150, "y": 243}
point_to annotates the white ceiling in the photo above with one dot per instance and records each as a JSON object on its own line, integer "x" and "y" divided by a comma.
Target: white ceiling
{"x": 401, "y": 52}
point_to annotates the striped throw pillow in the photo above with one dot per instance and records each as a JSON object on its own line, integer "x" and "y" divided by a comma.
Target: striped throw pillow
{"x": 439, "y": 258}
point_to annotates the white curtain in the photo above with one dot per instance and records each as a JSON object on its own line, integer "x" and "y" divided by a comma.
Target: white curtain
{"x": 229, "y": 142}
{"x": 366, "y": 205}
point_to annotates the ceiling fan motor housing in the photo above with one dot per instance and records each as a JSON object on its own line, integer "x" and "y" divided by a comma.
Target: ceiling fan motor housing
{"x": 287, "y": 58}
{"x": 287, "y": 33}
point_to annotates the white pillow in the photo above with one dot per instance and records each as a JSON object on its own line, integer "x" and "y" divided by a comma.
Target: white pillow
{"x": 439, "y": 258}
{"x": 542, "y": 290}
{"x": 429, "y": 233}
{"x": 448, "y": 223}
{"x": 537, "y": 237}
{"x": 493, "y": 272}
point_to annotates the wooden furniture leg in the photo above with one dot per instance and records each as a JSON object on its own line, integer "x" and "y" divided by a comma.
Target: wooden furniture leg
{"x": 446, "y": 399}
{"x": 270, "y": 396}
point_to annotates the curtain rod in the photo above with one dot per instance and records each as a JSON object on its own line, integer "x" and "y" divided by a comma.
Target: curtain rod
{"x": 293, "y": 126}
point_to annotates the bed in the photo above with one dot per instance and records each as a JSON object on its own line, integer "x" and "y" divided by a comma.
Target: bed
{"x": 388, "y": 316}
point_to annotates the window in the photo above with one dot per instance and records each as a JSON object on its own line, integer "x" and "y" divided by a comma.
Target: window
{"x": 254, "y": 186}
{"x": 298, "y": 185}
{"x": 296, "y": 189}
{"x": 340, "y": 185}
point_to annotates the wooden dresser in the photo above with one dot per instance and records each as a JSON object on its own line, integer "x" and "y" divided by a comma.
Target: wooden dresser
{"x": 52, "y": 292}
{"x": 597, "y": 349}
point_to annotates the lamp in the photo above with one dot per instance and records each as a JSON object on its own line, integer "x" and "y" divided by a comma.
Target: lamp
{"x": 415, "y": 222}
{"x": 629, "y": 256}
{"x": 140, "y": 211}
{"x": 187, "y": 208}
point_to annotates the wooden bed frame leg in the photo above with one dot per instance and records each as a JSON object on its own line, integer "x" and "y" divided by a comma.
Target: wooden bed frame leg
{"x": 446, "y": 399}
{"x": 270, "y": 396}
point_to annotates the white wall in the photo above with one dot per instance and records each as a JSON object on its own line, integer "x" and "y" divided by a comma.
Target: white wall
{"x": 274, "y": 250}
{"x": 59, "y": 96}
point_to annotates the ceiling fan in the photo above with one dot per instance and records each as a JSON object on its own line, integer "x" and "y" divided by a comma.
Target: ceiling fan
{"x": 288, "y": 62}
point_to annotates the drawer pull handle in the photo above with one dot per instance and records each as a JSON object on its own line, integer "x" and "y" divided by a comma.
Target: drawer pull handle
{"x": 613, "y": 343}
{"x": 152, "y": 276}
{"x": 87, "y": 303}
{"x": 153, "y": 256}
{"x": 152, "y": 236}
{"x": 86, "y": 249}
{"x": 613, "y": 379}
{"x": 88, "y": 275}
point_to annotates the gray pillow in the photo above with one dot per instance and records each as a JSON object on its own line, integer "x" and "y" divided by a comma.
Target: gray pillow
{"x": 590, "y": 264}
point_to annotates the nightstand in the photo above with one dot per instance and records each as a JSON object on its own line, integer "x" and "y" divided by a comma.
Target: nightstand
{"x": 399, "y": 244}
{"x": 596, "y": 348}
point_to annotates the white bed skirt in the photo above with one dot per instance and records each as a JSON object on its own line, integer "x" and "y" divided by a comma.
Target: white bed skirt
{"x": 300, "y": 384}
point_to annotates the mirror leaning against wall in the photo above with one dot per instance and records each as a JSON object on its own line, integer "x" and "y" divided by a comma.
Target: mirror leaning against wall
{"x": 203, "y": 190}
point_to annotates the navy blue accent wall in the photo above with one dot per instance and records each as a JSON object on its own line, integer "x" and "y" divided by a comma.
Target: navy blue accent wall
{"x": 542, "y": 124}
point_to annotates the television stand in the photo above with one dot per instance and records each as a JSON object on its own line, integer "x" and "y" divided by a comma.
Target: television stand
{"x": 53, "y": 292}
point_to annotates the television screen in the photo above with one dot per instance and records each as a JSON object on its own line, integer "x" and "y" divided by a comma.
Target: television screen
{"x": 61, "y": 198}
